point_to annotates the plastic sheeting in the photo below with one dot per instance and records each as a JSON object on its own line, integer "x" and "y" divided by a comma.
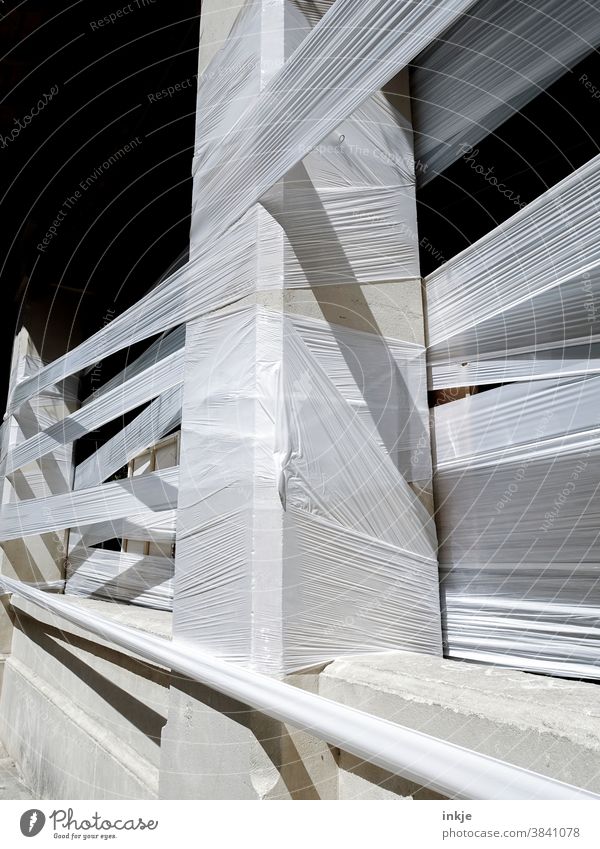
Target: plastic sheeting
{"x": 516, "y": 488}
{"x": 145, "y": 526}
{"x": 383, "y": 381}
{"x": 339, "y": 216}
{"x": 356, "y": 48}
{"x": 156, "y": 420}
{"x": 307, "y": 427}
{"x": 300, "y": 471}
{"x": 119, "y": 576}
{"x": 156, "y": 491}
{"x": 104, "y": 407}
{"x": 452, "y": 770}
{"x": 488, "y": 66}
{"x": 523, "y": 301}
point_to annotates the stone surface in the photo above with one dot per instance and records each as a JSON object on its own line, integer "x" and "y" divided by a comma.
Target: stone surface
{"x": 217, "y": 748}
{"x": 82, "y": 718}
{"x": 12, "y": 785}
{"x": 548, "y": 725}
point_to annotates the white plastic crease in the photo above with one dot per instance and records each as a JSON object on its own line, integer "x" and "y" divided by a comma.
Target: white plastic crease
{"x": 358, "y": 548}
{"x": 516, "y": 488}
{"x": 166, "y": 345}
{"x": 488, "y": 66}
{"x": 339, "y": 216}
{"x": 384, "y": 381}
{"x": 522, "y": 302}
{"x": 449, "y": 769}
{"x": 356, "y": 48}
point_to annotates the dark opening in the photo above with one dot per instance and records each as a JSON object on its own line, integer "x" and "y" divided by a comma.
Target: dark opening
{"x": 96, "y": 160}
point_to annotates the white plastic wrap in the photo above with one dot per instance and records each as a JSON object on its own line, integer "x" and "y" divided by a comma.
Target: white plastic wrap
{"x": 103, "y": 408}
{"x": 156, "y": 491}
{"x": 453, "y": 771}
{"x": 341, "y": 214}
{"x": 516, "y": 488}
{"x": 157, "y": 419}
{"x": 299, "y": 436}
{"x": 356, "y": 48}
{"x": 488, "y": 66}
{"x": 119, "y": 576}
{"x": 384, "y": 382}
{"x": 301, "y": 471}
{"x": 144, "y": 526}
{"x": 523, "y": 301}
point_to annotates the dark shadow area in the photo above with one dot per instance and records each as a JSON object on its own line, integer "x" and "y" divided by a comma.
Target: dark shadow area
{"x": 341, "y": 273}
{"x": 56, "y": 642}
{"x": 96, "y": 144}
{"x": 547, "y": 140}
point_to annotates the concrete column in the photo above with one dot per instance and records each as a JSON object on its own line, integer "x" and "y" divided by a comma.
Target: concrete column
{"x": 212, "y": 748}
{"x": 42, "y": 337}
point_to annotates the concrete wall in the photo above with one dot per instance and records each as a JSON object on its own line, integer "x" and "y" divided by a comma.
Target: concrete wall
{"x": 82, "y": 719}
{"x": 85, "y": 720}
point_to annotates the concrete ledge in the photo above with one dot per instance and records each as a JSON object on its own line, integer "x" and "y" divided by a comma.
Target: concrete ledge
{"x": 81, "y": 717}
{"x": 63, "y": 752}
{"x": 544, "y": 724}
{"x": 154, "y": 621}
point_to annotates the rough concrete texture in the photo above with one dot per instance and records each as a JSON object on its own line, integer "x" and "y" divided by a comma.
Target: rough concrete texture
{"x": 216, "y": 21}
{"x": 392, "y": 309}
{"x": 217, "y": 748}
{"x": 544, "y": 724}
{"x": 12, "y": 785}
{"x": 81, "y": 718}
{"x": 6, "y": 624}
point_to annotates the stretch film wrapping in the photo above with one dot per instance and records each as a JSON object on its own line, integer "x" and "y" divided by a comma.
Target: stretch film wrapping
{"x": 117, "y": 500}
{"x": 298, "y": 535}
{"x": 119, "y": 576}
{"x": 516, "y": 485}
{"x": 354, "y": 50}
{"x": 342, "y": 212}
{"x": 452, "y": 770}
{"x": 384, "y": 382}
{"x": 156, "y": 420}
{"x": 523, "y": 301}
{"x": 143, "y": 526}
{"x": 298, "y": 538}
{"x": 152, "y": 382}
{"x": 488, "y": 66}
